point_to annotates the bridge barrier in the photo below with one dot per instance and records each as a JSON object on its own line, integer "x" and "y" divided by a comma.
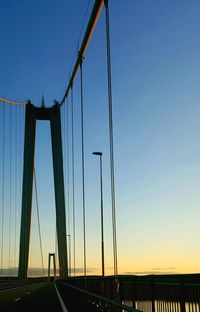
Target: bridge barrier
{"x": 98, "y": 302}
{"x": 8, "y": 283}
{"x": 11, "y": 284}
{"x": 172, "y": 293}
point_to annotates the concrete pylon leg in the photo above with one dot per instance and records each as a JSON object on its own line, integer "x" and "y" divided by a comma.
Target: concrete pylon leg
{"x": 59, "y": 190}
{"x": 49, "y": 266}
{"x": 29, "y": 148}
{"x": 54, "y": 266}
{"x": 52, "y": 114}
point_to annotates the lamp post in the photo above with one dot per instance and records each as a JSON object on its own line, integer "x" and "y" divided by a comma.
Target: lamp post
{"x": 102, "y": 232}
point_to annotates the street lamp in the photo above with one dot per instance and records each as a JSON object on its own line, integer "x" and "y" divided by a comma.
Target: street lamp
{"x": 101, "y": 185}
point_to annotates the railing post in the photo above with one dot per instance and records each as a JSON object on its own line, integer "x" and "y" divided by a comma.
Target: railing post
{"x": 115, "y": 294}
{"x": 182, "y": 295}
{"x": 152, "y": 295}
{"x": 133, "y": 292}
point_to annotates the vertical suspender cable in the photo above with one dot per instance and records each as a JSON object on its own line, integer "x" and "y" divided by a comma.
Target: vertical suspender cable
{"x": 10, "y": 190}
{"x": 68, "y": 184}
{"x": 64, "y": 144}
{"x": 56, "y": 247}
{"x": 38, "y": 219}
{"x": 68, "y": 201}
{"x": 16, "y": 178}
{"x": 21, "y": 131}
{"x": 111, "y": 138}
{"x": 20, "y": 149}
{"x": 83, "y": 169}
{"x": 3, "y": 186}
{"x": 73, "y": 193}
{"x": 65, "y": 170}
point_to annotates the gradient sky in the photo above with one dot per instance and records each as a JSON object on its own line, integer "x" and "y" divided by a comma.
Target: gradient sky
{"x": 155, "y": 52}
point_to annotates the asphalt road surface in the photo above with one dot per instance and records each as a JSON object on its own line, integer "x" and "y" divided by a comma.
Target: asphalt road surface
{"x": 43, "y": 297}
{"x": 35, "y": 297}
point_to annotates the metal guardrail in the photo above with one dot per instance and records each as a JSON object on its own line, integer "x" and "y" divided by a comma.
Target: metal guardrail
{"x": 178, "y": 293}
{"x": 175, "y": 293}
{"x": 7, "y": 283}
{"x": 162, "y": 297}
{"x": 101, "y": 303}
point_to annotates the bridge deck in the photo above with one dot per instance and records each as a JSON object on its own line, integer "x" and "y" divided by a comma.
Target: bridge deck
{"x": 30, "y": 298}
{"x": 42, "y": 296}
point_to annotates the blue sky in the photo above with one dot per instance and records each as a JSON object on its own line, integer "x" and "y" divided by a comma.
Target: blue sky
{"x": 155, "y": 69}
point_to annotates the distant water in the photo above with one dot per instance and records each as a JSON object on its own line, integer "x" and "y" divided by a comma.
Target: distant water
{"x": 163, "y": 306}
{"x": 32, "y": 272}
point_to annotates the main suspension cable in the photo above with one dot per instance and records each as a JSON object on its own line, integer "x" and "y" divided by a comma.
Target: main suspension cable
{"x": 83, "y": 169}
{"x": 98, "y": 5}
{"x": 79, "y": 37}
{"x": 13, "y": 102}
{"x": 83, "y": 22}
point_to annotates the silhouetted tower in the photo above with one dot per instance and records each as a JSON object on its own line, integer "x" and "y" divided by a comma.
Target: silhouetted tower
{"x": 53, "y": 115}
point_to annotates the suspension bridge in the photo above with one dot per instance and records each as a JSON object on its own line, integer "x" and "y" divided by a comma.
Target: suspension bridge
{"x": 63, "y": 285}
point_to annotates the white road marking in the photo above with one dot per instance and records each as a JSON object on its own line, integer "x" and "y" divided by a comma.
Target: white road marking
{"x": 61, "y": 301}
{"x": 17, "y": 299}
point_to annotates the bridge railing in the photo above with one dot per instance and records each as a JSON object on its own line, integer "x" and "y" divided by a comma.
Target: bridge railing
{"x": 8, "y": 283}
{"x": 98, "y": 302}
{"x": 177, "y": 293}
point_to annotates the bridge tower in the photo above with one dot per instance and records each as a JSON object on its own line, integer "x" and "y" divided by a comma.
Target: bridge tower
{"x": 32, "y": 115}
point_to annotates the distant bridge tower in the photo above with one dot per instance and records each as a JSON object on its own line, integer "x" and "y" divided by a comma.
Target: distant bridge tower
{"x": 53, "y": 115}
{"x": 49, "y": 266}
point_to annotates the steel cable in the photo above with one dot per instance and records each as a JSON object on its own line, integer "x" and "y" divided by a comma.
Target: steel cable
{"x": 66, "y": 172}
{"x": 64, "y": 144}
{"x": 3, "y": 189}
{"x": 111, "y": 139}
{"x": 83, "y": 169}
{"x": 63, "y": 115}
{"x": 67, "y": 168}
{"x": 38, "y": 218}
{"x": 83, "y": 23}
{"x": 15, "y": 184}
{"x": 79, "y": 37}
{"x": 73, "y": 192}
{"x": 22, "y": 131}
{"x": 10, "y": 190}
{"x": 13, "y": 102}
{"x": 68, "y": 180}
